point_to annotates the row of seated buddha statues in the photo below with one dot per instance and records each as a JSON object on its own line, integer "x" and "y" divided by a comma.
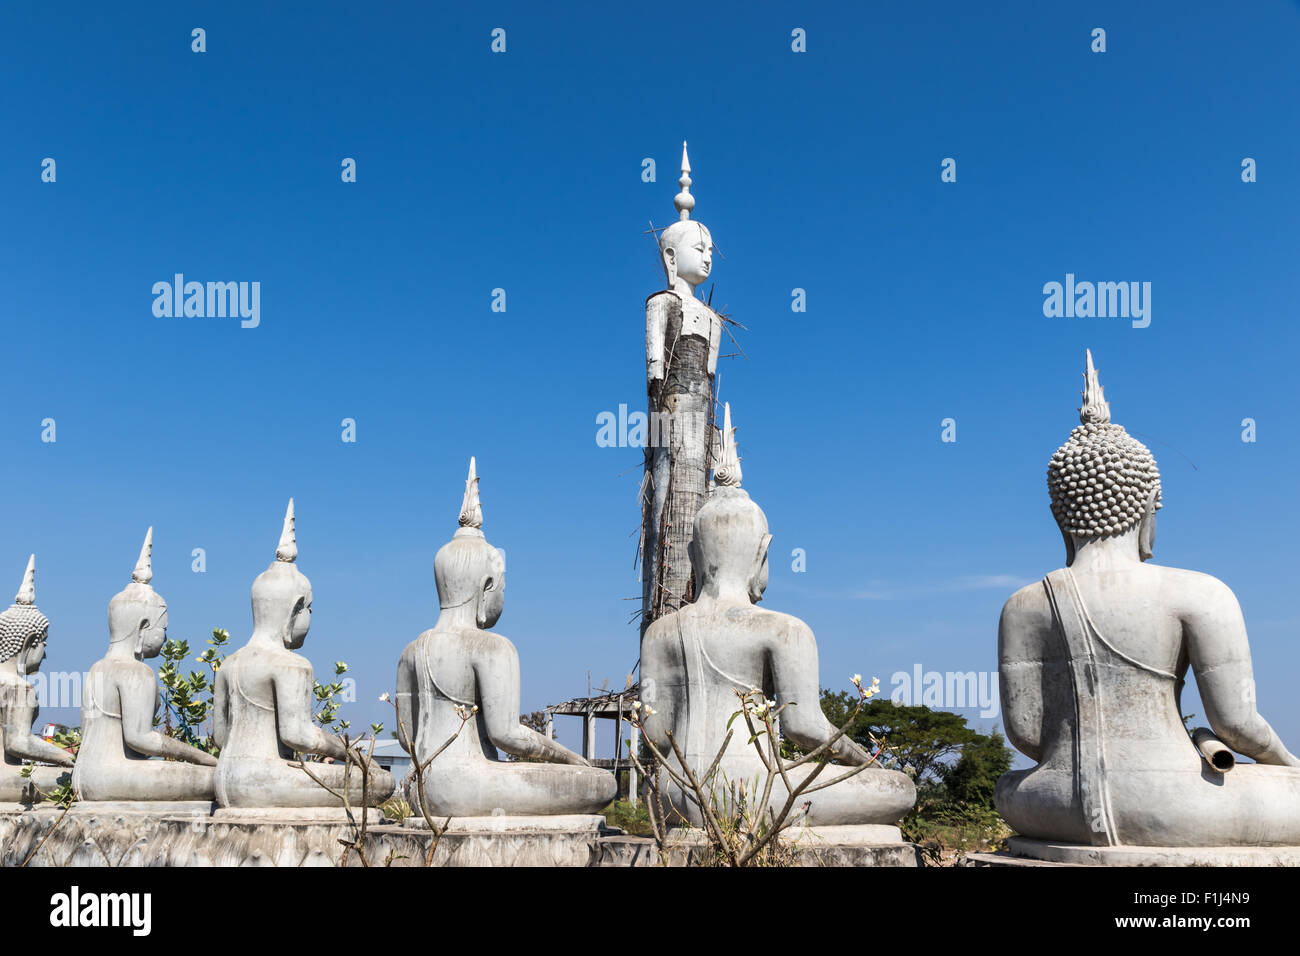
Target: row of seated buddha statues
{"x": 1092, "y": 661}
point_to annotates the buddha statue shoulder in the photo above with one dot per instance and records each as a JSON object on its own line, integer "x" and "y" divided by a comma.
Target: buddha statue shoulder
{"x": 695, "y": 660}
{"x": 1093, "y": 659}
{"x": 461, "y": 668}
{"x": 686, "y": 253}
{"x": 262, "y": 718}
{"x": 122, "y": 756}
{"x": 24, "y": 631}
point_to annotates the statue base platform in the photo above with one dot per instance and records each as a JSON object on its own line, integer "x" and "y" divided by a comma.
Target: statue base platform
{"x": 859, "y": 845}
{"x": 191, "y": 833}
{"x": 499, "y": 823}
{"x": 1022, "y": 851}
{"x": 113, "y": 808}
{"x": 293, "y": 816}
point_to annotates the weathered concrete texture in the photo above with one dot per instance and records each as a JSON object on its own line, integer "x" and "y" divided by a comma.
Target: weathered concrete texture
{"x": 1021, "y": 848}
{"x": 176, "y": 834}
{"x": 641, "y": 851}
{"x": 186, "y": 834}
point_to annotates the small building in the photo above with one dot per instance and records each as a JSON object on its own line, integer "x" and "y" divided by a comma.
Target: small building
{"x": 615, "y": 706}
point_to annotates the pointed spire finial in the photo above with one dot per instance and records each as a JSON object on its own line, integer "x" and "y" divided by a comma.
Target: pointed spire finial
{"x": 1095, "y": 410}
{"x": 684, "y": 201}
{"x": 726, "y": 468}
{"x": 287, "y": 550}
{"x": 471, "y": 509}
{"x": 143, "y": 572}
{"x": 27, "y": 591}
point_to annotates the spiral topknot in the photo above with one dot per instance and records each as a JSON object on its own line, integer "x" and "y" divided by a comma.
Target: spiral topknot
{"x": 1101, "y": 479}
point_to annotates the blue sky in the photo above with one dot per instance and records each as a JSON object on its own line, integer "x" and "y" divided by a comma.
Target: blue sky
{"x": 522, "y": 171}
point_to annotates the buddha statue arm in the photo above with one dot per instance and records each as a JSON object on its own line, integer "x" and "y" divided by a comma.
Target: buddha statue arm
{"x": 656, "y": 322}
{"x": 1020, "y": 672}
{"x": 20, "y": 742}
{"x": 408, "y": 701}
{"x": 297, "y": 730}
{"x": 137, "y": 693}
{"x": 497, "y": 673}
{"x": 1220, "y": 658}
{"x": 795, "y": 676}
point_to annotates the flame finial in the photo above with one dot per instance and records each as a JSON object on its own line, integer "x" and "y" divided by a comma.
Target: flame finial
{"x": 143, "y": 572}
{"x": 726, "y": 468}
{"x": 27, "y": 590}
{"x": 471, "y": 509}
{"x": 1095, "y": 410}
{"x": 287, "y": 551}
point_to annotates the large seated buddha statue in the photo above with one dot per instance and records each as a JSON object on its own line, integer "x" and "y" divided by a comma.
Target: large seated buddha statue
{"x": 262, "y": 718}
{"x": 460, "y": 668}
{"x": 122, "y": 756}
{"x": 1092, "y": 661}
{"x": 23, "y": 633}
{"x": 695, "y": 660}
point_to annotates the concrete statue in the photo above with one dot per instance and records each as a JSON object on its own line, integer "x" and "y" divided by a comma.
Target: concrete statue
{"x": 459, "y": 667}
{"x": 262, "y": 712}
{"x": 120, "y": 701}
{"x": 1093, "y": 660}
{"x": 681, "y": 347}
{"x": 696, "y": 659}
{"x": 23, "y": 633}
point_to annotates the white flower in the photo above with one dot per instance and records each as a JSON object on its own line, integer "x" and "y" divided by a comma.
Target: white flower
{"x": 384, "y": 698}
{"x": 636, "y": 705}
{"x": 857, "y": 679}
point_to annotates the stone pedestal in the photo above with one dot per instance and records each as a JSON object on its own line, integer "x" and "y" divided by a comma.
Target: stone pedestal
{"x": 1021, "y": 848}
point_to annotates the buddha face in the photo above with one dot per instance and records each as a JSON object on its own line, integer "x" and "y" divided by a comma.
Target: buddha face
{"x": 688, "y": 252}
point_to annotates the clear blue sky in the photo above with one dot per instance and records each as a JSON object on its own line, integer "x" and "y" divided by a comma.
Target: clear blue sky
{"x": 522, "y": 171}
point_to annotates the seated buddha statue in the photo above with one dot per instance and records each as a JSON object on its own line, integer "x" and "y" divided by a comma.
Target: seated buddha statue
{"x": 1092, "y": 662}
{"x": 23, "y": 633}
{"x": 695, "y": 660}
{"x": 119, "y": 703}
{"x": 262, "y": 718}
{"x": 459, "y": 667}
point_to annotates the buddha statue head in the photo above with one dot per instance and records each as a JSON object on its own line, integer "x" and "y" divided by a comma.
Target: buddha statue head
{"x": 1103, "y": 482}
{"x": 730, "y": 541}
{"x": 282, "y": 593}
{"x": 137, "y": 614}
{"x": 24, "y": 629}
{"x": 469, "y": 572}
{"x": 686, "y": 247}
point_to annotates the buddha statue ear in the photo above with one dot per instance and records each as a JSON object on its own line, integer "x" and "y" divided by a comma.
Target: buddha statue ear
{"x": 1147, "y": 527}
{"x": 670, "y": 265}
{"x": 481, "y": 604}
{"x": 299, "y": 603}
{"x": 758, "y": 578}
{"x": 139, "y": 636}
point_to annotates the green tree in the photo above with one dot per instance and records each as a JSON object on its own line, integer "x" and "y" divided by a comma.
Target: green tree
{"x": 974, "y": 777}
{"x": 915, "y": 737}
